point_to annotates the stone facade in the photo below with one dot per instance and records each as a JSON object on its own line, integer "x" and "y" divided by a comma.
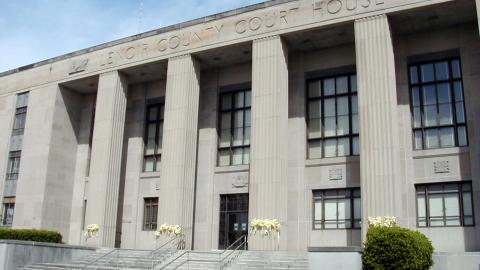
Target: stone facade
{"x": 85, "y": 148}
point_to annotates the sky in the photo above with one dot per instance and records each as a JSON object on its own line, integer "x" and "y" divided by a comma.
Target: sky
{"x": 35, "y": 30}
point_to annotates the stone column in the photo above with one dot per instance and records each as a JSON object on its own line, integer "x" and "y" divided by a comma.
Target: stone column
{"x": 268, "y": 163}
{"x": 179, "y": 150}
{"x": 377, "y": 98}
{"x": 477, "y": 3}
{"x": 106, "y": 157}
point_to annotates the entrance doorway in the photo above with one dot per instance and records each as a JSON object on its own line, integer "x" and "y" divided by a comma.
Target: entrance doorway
{"x": 233, "y": 218}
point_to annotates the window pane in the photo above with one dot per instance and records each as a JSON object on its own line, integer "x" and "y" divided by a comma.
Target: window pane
{"x": 354, "y": 104}
{"x": 443, "y": 91}
{"x": 344, "y": 213}
{"x": 343, "y": 126}
{"x": 427, "y": 72}
{"x": 418, "y": 140}
{"x": 445, "y": 114}
{"x": 149, "y": 161}
{"x": 246, "y": 155}
{"x": 315, "y": 109}
{"x": 238, "y": 136}
{"x": 329, "y": 126}
{"x": 315, "y": 149}
{"x": 152, "y": 114}
{"x": 457, "y": 88}
{"x": 446, "y": 137}
{"x": 329, "y": 107}
{"x": 430, "y": 115}
{"x": 467, "y": 206}
{"x": 413, "y": 75}
{"x": 224, "y": 159}
{"x": 431, "y": 137}
{"x": 330, "y": 209}
{"x": 452, "y": 209}
{"x": 330, "y": 148}
{"x": 237, "y": 156}
{"x": 415, "y": 96}
{"x": 421, "y": 211}
{"x": 248, "y": 120}
{"x": 343, "y": 147}
{"x": 441, "y": 70}
{"x": 248, "y": 98}
{"x": 150, "y": 148}
{"x": 460, "y": 113}
{"x": 159, "y": 164}
{"x": 357, "y": 208}
{"x": 246, "y": 136}
{"x": 342, "y": 84}
{"x": 342, "y": 106}
{"x": 318, "y": 210}
{"x": 225, "y": 137}
{"x": 356, "y": 146}
{"x": 456, "y": 71}
{"x": 435, "y": 202}
{"x": 225, "y": 121}
{"x": 238, "y": 120}
{"x": 462, "y": 136}
{"x": 329, "y": 87}
{"x": 355, "y": 124}
{"x": 417, "y": 117}
{"x": 239, "y": 100}
{"x": 353, "y": 83}
{"x": 226, "y": 101}
{"x": 314, "y": 128}
{"x": 429, "y": 95}
{"x": 314, "y": 89}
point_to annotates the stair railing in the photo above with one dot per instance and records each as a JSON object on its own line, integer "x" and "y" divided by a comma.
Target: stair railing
{"x": 177, "y": 241}
{"x": 233, "y": 254}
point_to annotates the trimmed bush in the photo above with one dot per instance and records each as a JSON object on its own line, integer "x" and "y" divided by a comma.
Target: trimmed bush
{"x": 396, "y": 248}
{"x": 31, "y": 235}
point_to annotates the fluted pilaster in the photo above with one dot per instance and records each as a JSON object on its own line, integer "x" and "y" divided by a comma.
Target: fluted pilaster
{"x": 106, "y": 160}
{"x": 268, "y": 165}
{"x": 179, "y": 150}
{"x": 377, "y": 98}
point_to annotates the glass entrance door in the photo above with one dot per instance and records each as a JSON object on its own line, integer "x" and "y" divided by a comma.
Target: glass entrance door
{"x": 233, "y": 218}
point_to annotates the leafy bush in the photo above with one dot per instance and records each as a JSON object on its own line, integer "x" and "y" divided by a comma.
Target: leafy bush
{"x": 31, "y": 235}
{"x": 396, "y": 248}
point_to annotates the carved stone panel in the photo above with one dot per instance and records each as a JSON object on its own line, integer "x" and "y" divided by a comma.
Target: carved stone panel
{"x": 240, "y": 181}
{"x": 441, "y": 166}
{"x": 335, "y": 174}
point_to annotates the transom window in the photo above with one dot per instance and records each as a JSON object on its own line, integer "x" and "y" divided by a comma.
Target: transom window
{"x": 337, "y": 209}
{"x": 332, "y": 117}
{"x": 153, "y": 138}
{"x": 438, "y": 109}
{"x": 442, "y": 205}
{"x": 150, "y": 213}
{"x": 234, "y": 128}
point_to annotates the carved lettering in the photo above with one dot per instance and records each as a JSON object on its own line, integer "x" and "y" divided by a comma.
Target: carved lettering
{"x": 332, "y": 7}
{"x": 78, "y": 66}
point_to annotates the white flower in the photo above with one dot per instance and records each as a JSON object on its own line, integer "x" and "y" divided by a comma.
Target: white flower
{"x": 92, "y": 230}
{"x": 386, "y": 221}
{"x": 170, "y": 231}
{"x": 265, "y": 226}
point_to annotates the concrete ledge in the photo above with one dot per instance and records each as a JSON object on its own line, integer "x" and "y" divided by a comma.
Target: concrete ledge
{"x": 335, "y": 249}
{"x": 42, "y": 244}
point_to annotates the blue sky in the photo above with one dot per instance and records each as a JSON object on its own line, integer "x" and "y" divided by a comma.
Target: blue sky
{"x": 35, "y": 30}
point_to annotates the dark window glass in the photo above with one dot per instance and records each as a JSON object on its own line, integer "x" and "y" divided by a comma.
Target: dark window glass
{"x": 234, "y": 128}
{"x": 8, "y": 211}
{"x": 13, "y": 166}
{"x": 333, "y": 117}
{"x": 336, "y": 209}
{"x": 443, "y": 205}
{"x": 233, "y": 219}
{"x": 19, "y": 122}
{"x": 153, "y": 138}
{"x": 438, "y": 111}
{"x": 150, "y": 214}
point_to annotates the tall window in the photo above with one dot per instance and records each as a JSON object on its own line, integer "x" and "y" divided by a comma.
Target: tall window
{"x": 333, "y": 117}
{"x": 442, "y": 205}
{"x": 150, "y": 212}
{"x": 234, "y": 128}
{"x": 337, "y": 209}
{"x": 438, "y": 105}
{"x": 153, "y": 138}
{"x": 13, "y": 166}
{"x": 19, "y": 122}
{"x": 7, "y": 217}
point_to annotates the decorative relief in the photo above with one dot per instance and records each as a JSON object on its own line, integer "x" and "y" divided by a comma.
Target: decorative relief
{"x": 78, "y": 65}
{"x": 335, "y": 174}
{"x": 240, "y": 181}
{"x": 441, "y": 166}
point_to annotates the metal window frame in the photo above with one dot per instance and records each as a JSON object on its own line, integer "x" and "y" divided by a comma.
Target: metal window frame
{"x": 232, "y": 111}
{"x": 158, "y": 120}
{"x": 351, "y": 197}
{"x": 349, "y": 94}
{"x": 451, "y": 81}
{"x": 150, "y": 205}
{"x": 460, "y": 192}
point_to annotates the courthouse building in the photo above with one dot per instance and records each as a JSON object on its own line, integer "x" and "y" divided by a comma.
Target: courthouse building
{"x": 317, "y": 113}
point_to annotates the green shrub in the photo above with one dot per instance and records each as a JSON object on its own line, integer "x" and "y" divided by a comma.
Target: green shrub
{"x": 31, "y": 235}
{"x": 396, "y": 248}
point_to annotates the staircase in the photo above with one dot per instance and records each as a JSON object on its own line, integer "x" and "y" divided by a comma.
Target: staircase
{"x": 106, "y": 259}
{"x": 272, "y": 260}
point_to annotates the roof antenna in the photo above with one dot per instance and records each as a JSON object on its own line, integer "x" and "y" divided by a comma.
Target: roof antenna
{"x": 140, "y": 17}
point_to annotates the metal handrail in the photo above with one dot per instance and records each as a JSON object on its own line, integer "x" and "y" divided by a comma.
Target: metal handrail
{"x": 171, "y": 261}
{"x": 97, "y": 259}
{"x": 159, "y": 248}
{"x": 222, "y": 263}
